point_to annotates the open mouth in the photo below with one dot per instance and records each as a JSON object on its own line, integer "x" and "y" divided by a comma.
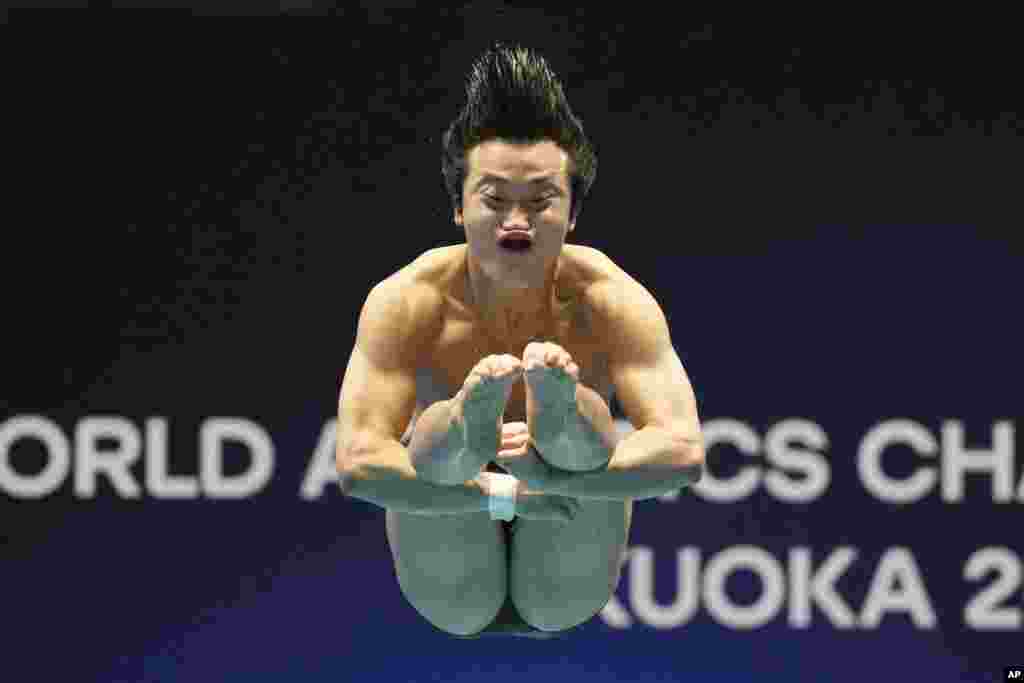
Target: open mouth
{"x": 516, "y": 243}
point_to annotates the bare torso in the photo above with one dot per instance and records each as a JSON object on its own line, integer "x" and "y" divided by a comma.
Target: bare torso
{"x": 460, "y": 340}
{"x": 445, "y": 563}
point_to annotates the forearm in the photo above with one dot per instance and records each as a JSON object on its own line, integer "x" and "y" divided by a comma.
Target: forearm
{"x": 648, "y": 463}
{"x": 385, "y": 477}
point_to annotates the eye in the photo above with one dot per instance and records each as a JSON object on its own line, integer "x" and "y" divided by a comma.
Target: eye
{"x": 537, "y": 204}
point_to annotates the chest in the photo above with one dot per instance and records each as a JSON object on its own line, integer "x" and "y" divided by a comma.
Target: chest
{"x": 461, "y": 347}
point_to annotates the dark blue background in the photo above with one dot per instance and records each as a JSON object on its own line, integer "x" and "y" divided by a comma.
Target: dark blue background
{"x": 827, "y": 215}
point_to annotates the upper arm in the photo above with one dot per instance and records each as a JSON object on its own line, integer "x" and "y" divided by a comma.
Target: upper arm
{"x": 650, "y": 382}
{"x": 378, "y": 391}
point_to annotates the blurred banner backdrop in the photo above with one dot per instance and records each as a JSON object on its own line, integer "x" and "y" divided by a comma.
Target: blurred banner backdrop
{"x": 825, "y": 212}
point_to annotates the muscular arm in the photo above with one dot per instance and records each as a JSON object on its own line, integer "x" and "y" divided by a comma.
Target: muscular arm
{"x": 666, "y": 451}
{"x": 386, "y": 478}
{"x": 377, "y": 401}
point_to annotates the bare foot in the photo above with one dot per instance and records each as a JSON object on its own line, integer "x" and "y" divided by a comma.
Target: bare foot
{"x": 480, "y": 404}
{"x": 551, "y": 378}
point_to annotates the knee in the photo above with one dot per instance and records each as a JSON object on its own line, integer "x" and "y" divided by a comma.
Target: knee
{"x": 554, "y": 618}
{"x": 464, "y": 618}
{"x": 559, "y": 612}
{"x": 461, "y": 610}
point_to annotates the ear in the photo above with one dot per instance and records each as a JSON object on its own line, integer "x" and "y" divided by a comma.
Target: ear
{"x": 457, "y": 217}
{"x": 572, "y": 225}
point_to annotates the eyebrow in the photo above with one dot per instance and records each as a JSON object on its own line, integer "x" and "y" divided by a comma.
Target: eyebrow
{"x": 491, "y": 178}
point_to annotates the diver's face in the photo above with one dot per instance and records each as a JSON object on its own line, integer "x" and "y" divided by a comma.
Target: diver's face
{"x": 515, "y": 208}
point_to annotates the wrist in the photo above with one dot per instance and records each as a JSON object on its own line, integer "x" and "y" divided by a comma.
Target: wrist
{"x": 502, "y": 491}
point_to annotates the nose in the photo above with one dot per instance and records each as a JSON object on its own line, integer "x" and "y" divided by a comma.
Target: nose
{"x": 516, "y": 218}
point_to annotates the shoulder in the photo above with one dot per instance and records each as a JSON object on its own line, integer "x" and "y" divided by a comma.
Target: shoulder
{"x": 587, "y": 265}
{"x": 605, "y": 288}
{"x": 620, "y": 309}
{"x": 403, "y": 313}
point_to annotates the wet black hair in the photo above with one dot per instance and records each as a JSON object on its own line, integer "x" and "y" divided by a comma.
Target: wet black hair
{"x": 512, "y": 94}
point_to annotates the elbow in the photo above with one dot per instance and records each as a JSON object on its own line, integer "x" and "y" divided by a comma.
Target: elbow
{"x": 347, "y": 457}
{"x": 348, "y": 473}
{"x": 689, "y": 461}
{"x": 695, "y": 473}
{"x": 357, "y": 460}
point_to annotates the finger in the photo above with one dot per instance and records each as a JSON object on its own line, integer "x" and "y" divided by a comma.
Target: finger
{"x": 511, "y": 454}
{"x": 508, "y": 450}
{"x": 481, "y": 369}
{"x": 533, "y": 353}
{"x": 510, "y": 441}
{"x": 506, "y": 364}
{"x": 544, "y": 357}
{"x": 514, "y": 428}
{"x": 513, "y": 445}
{"x": 556, "y": 356}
